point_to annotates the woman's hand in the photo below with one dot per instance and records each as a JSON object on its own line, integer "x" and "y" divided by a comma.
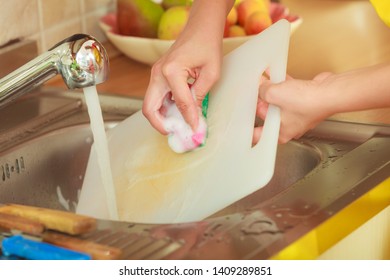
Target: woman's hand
{"x": 300, "y": 103}
{"x": 196, "y": 55}
{"x": 187, "y": 59}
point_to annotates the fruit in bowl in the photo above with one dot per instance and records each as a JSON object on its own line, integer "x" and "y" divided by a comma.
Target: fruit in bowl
{"x": 138, "y": 18}
{"x": 172, "y": 22}
{"x": 144, "y": 30}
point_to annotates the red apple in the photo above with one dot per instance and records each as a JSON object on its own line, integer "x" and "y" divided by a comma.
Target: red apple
{"x": 247, "y": 7}
{"x": 257, "y": 22}
{"x": 138, "y": 17}
{"x": 231, "y": 18}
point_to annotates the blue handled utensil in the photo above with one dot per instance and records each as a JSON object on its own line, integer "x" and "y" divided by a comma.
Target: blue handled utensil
{"x": 35, "y": 250}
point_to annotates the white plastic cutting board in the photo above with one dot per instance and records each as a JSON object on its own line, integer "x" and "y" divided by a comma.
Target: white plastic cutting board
{"x": 155, "y": 185}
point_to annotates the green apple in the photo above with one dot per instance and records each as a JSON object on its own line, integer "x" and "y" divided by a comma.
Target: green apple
{"x": 172, "y": 3}
{"x": 172, "y": 22}
{"x": 138, "y": 17}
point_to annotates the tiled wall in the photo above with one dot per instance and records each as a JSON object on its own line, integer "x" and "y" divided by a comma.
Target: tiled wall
{"x": 49, "y": 21}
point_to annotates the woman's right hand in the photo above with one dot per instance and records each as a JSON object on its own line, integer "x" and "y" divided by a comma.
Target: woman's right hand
{"x": 196, "y": 55}
{"x": 187, "y": 59}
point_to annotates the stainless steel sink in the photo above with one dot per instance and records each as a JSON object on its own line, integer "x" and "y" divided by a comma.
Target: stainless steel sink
{"x": 45, "y": 142}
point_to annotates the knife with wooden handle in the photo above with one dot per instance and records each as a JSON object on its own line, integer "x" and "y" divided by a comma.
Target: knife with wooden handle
{"x": 10, "y": 222}
{"x": 97, "y": 251}
{"x": 62, "y": 221}
{"x": 23, "y": 225}
{"x": 20, "y": 246}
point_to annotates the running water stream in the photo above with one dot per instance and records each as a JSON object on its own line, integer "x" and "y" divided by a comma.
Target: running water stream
{"x": 101, "y": 147}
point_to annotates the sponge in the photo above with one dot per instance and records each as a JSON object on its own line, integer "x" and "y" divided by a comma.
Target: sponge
{"x": 181, "y": 138}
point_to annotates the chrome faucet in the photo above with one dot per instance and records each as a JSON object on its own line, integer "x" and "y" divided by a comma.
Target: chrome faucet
{"x": 80, "y": 59}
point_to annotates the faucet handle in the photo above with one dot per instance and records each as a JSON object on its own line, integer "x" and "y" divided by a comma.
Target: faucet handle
{"x": 83, "y": 61}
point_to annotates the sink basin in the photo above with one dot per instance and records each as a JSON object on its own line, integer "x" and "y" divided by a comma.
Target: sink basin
{"x": 44, "y": 157}
{"x": 48, "y": 169}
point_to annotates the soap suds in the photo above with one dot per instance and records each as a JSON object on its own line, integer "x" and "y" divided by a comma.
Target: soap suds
{"x": 181, "y": 138}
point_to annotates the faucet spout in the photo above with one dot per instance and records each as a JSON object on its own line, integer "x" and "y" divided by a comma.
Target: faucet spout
{"x": 81, "y": 60}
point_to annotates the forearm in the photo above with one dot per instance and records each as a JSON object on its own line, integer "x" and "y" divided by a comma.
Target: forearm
{"x": 361, "y": 89}
{"x": 207, "y": 20}
{"x": 197, "y": 55}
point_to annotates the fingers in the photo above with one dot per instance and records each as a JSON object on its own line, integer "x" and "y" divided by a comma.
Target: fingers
{"x": 151, "y": 109}
{"x": 262, "y": 108}
{"x": 257, "y": 134}
{"x": 300, "y": 109}
{"x": 284, "y": 136}
{"x": 185, "y": 102}
{"x": 154, "y": 96}
{"x": 268, "y": 94}
{"x": 207, "y": 77}
{"x": 189, "y": 101}
{"x": 268, "y": 91}
{"x": 203, "y": 84}
{"x": 167, "y": 79}
{"x": 264, "y": 89}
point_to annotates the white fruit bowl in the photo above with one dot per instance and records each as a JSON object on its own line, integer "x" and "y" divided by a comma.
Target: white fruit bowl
{"x": 149, "y": 50}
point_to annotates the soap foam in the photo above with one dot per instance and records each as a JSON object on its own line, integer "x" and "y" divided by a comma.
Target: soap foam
{"x": 181, "y": 138}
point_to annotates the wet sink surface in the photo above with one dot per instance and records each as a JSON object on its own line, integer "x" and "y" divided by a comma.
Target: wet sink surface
{"x": 43, "y": 160}
{"x": 52, "y": 166}
{"x": 48, "y": 170}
